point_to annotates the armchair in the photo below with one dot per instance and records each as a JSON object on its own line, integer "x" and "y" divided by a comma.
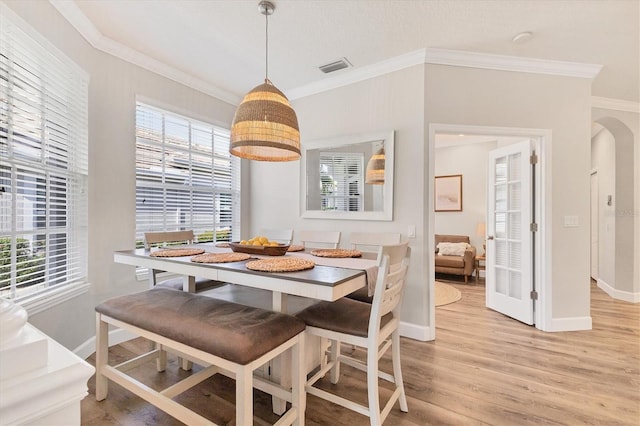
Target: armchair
{"x": 457, "y": 265}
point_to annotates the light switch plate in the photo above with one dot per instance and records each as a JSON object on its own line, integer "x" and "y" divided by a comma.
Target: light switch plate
{"x": 411, "y": 231}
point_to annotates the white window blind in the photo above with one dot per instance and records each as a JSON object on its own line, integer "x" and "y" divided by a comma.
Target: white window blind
{"x": 185, "y": 177}
{"x": 43, "y": 165}
{"x": 341, "y": 176}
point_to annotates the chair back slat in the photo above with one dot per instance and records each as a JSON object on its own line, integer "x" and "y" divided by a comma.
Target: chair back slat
{"x": 279, "y": 235}
{"x": 360, "y": 240}
{"x": 328, "y": 239}
{"x": 151, "y": 238}
{"x": 392, "y": 271}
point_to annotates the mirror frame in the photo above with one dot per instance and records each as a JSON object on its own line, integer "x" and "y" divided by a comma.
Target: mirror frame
{"x": 389, "y": 147}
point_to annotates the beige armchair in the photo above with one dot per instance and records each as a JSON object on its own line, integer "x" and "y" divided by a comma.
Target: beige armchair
{"x": 457, "y": 265}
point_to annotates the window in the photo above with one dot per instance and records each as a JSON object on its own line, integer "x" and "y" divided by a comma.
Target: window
{"x": 43, "y": 168}
{"x": 341, "y": 176}
{"x": 185, "y": 177}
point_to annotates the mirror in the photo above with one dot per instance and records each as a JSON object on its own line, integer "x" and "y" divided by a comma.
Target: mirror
{"x": 335, "y": 181}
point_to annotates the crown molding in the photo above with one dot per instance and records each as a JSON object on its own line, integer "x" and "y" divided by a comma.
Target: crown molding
{"x": 615, "y": 104}
{"x": 511, "y": 63}
{"x": 356, "y": 75}
{"x": 70, "y": 11}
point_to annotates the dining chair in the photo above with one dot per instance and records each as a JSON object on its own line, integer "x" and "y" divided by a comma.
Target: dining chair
{"x": 371, "y": 241}
{"x": 279, "y": 235}
{"x": 167, "y": 238}
{"x": 317, "y": 239}
{"x": 373, "y": 327}
{"x": 368, "y": 241}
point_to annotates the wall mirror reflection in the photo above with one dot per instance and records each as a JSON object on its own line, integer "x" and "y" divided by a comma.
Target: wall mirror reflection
{"x": 349, "y": 177}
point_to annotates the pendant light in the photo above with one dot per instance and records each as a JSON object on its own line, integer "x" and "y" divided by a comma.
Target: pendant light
{"x": 375, "y": 168}
{"x": 265, "y": 126}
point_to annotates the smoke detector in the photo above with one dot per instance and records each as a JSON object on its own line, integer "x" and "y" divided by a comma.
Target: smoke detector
{"x": 340, "y": 64}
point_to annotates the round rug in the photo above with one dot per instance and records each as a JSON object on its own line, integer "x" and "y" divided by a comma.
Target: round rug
{"x": 446, "y": 294}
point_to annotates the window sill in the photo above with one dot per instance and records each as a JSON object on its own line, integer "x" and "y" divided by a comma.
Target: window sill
{"x": 48, "y": 300}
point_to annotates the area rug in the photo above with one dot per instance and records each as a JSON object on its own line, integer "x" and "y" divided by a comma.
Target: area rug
{"x": 446, "y": 294}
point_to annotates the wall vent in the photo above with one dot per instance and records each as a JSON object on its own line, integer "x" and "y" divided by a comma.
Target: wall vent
{"x": 335, "y": 66}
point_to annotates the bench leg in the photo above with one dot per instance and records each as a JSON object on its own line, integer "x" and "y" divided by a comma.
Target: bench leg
{"x": 244, "y": 397}
{"x": 334, "y": 355}
{"x": 102, "y": 357}
{"x": 161, "y": 361}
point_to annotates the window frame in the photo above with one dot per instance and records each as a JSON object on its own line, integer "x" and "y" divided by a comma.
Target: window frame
{"x": 52, "y": 154}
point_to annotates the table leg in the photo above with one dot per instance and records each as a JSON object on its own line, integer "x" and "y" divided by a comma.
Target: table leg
{"x": 278, "y": 370}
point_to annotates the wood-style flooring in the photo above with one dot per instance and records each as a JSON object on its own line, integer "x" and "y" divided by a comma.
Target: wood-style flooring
{"x": 482, "y": 369}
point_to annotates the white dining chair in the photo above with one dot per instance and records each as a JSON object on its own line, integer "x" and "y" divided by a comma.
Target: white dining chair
{"x": 318, "y": 239}
{"x": 371, "y": 241}
{"x": 373, "y": 327}
{"x": 166, "y": 239}
{"x": 280, "y": 235}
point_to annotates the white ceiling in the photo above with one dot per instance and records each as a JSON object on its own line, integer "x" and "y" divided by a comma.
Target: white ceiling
{"x": 221, "y": 42}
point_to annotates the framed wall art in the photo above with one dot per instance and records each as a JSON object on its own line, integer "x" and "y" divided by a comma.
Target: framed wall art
{"x": 448, "y": 193}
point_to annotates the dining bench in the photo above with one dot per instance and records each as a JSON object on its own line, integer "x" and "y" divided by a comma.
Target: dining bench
{"x": 224, "y": 337}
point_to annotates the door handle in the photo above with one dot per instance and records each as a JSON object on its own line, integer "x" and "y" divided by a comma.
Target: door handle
{"x": 490, "y": 237}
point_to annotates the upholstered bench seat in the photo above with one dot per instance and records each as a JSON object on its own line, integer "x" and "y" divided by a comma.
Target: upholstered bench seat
{"x": 235, "y": 332}
{"x": 224, "y": 337}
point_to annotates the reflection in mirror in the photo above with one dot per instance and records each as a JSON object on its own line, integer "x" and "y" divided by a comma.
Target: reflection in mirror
{"x": 335, "y": 174}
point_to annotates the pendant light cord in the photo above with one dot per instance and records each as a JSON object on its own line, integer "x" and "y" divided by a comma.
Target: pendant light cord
{"x": 266, "y": 38}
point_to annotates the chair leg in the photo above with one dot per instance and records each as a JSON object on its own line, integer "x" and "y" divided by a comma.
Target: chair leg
{"x": 397, "y": 370}
{"x": 102, "y": 356}
{"x": 298, "y": 379}
{"x": 161, "y": 361}
{"x": 335, "y": 354}
{"x": 372, "y": 386}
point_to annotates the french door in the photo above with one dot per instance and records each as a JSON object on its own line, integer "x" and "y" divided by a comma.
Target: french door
{"x": 510, "y": 227}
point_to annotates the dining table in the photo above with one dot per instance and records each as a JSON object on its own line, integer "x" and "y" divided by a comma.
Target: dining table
{"x": 328, "y": 280}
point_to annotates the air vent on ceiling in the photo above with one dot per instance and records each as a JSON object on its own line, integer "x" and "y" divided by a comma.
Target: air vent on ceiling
{"x": 335, "y": 66}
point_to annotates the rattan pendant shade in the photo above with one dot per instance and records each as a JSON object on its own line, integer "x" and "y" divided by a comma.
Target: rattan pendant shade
{"x": 375, "y": 168}
{"x": 265, "y": 127}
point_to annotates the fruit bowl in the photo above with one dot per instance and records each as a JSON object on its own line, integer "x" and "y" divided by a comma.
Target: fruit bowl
{"x": 279, "y": 250}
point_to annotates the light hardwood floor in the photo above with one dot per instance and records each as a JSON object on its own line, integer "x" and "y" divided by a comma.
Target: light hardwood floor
{"x": 482, "y": 369}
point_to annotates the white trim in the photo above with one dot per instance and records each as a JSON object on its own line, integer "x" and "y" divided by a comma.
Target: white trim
{"x": 116, "y": 337}
{"x": 511, "y": 63}
{"x": 356, "y": 75}
{"x": 544, "y": 279}
{"x": 415, "y": 331}
{"x": 70, "y": 11}
{"x": 570, "y": 324}
{"x": 615, "y": 104}
{"x": 50, "y": 298}
{"x": 627, "y": 296}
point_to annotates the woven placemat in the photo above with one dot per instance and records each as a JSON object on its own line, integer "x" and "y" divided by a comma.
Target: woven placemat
{"x": 282, "y": 264}
{"x": 177, "y": 252}
{"x": 295, "y": 247}
{"x": 336, "y": 253}
{"x": 223, "y": 244}
{"x": 220, "y": 257}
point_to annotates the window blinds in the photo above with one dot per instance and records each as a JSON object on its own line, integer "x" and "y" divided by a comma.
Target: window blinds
{"x": 185, "y": 177}
{"x": 341, "y": 177}
{"x": 43, "y": 164}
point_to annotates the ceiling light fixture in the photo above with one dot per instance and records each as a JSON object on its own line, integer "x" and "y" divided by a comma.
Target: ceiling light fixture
{"x": 265, "y": 126}
{"x": 375, "y": 168}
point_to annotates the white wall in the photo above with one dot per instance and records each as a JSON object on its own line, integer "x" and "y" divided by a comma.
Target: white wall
{"x": 470, "y": 161}
{"x": 390, "y": 102}
{"x": 625, "y": 127}
{"x": 604, "y": 162}
{"x": 457, "y": 95}
{"x": 113, "y": 87}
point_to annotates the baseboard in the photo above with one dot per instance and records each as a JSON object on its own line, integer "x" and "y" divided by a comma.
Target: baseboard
{"x": 570, "y": 324}
{"x": 116, "y": 337}
{"x": 415, "y": 332}
{"x": 627, "y": 296}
